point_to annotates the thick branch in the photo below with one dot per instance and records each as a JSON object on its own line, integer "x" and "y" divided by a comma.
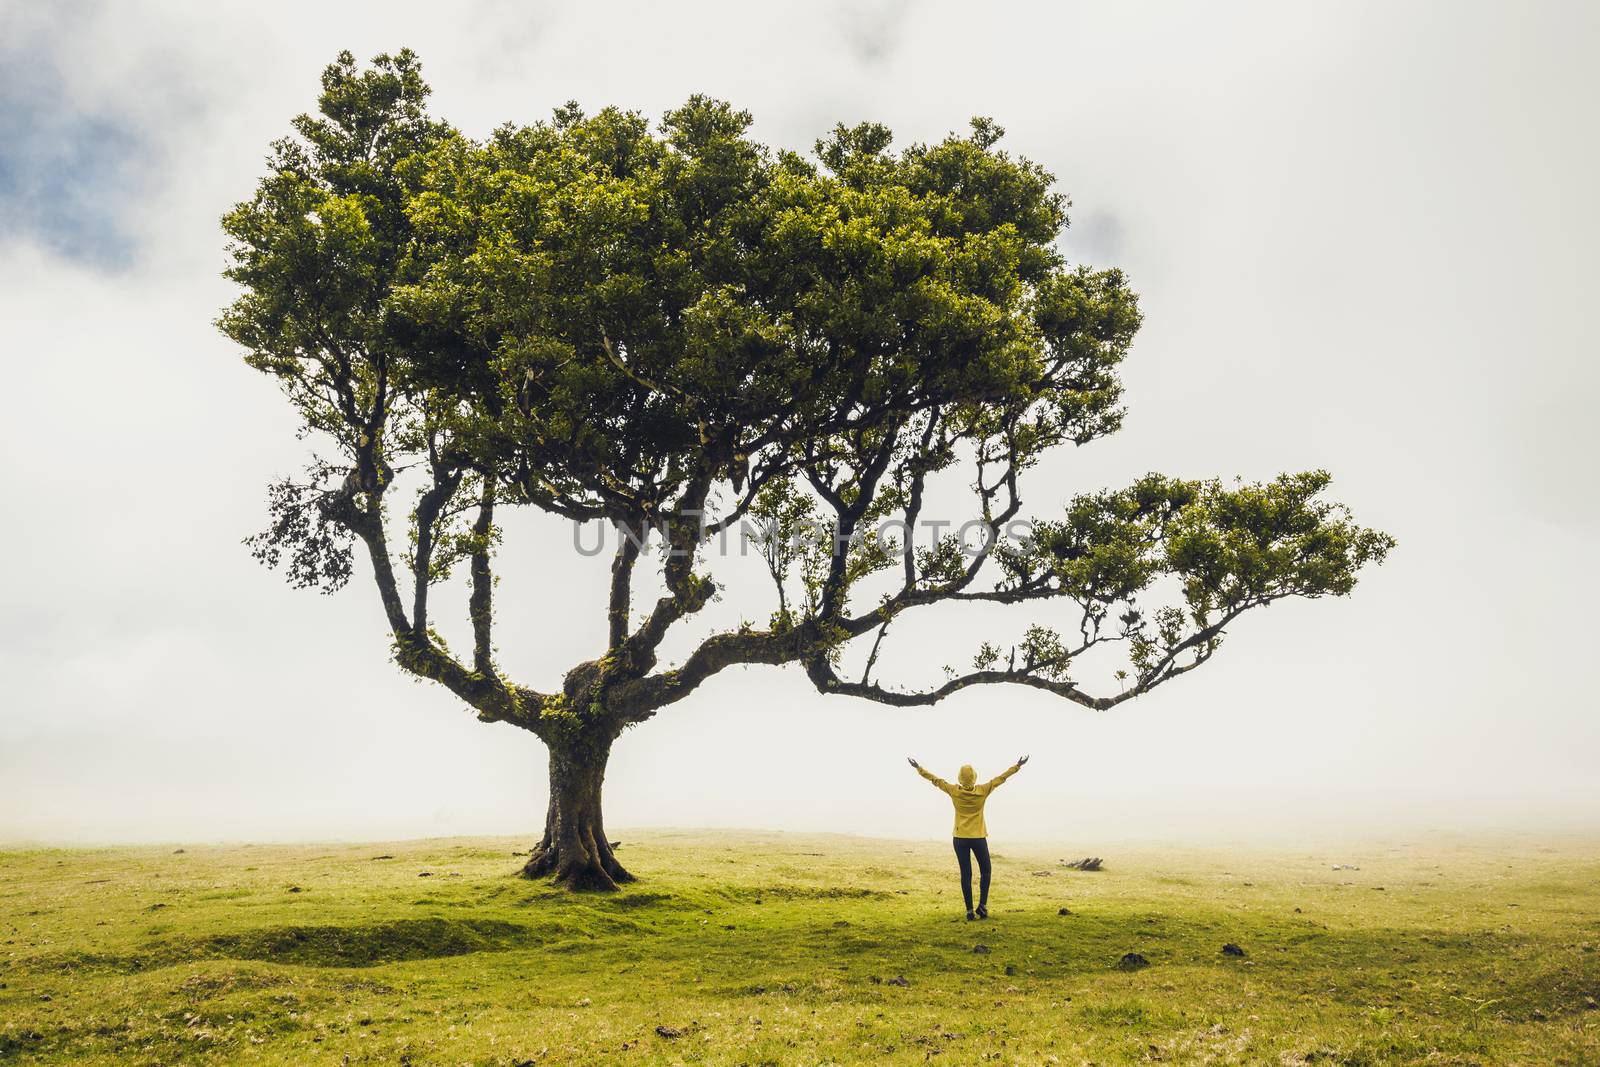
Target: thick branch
{"x": 417, "y": 652}
{"x": 632, "y": 536}
{"x": 445, "y": 483}
{"x": 686, "y": 593}
{"x": 1202, "y": 644}
{"x": 641, "y": 698}
{"x": 847, "y": 515}
{"x": 481, "y": 605}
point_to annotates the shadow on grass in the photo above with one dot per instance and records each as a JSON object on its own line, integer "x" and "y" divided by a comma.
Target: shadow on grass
{"x": 352, "y": 945}
{"x": 367, "y": 945}
{"x": 773, "y": 939}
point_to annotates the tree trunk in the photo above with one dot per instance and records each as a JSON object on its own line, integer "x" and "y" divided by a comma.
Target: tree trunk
{"x": 574, "y": 849}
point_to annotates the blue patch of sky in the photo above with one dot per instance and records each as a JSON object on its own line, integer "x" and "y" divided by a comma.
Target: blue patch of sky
{"x": 68, "y": 178}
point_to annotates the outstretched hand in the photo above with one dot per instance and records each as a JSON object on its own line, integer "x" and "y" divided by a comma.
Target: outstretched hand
{"x": 1021, "y": 761}
{"x": 913, "y": 763}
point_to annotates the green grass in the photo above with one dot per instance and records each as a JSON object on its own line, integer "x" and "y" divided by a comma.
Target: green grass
{"x": 778, "y": 949}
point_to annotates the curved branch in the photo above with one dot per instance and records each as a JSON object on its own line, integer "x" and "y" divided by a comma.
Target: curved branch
{"x": 416, "y": 650}
{"x": 1230, "y": 550}
{"x": 446, "y": 481}
{"x": 686, "y": 593}
{"x": 1203, "y": 644}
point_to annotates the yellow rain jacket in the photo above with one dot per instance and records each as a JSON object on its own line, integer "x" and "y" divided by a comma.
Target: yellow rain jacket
{"x": 968, "y": 798}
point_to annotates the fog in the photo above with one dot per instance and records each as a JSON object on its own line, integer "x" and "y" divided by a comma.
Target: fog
{"x": 1364, "y": 240}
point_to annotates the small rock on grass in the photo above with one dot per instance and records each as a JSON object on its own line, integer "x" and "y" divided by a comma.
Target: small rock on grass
{"x": 1230, "y": 949}
{"x": 1132, "y": 961}
{"x": 981, "y": 949}
{"x": 669, "y": 1031}
{"x": 1064, "y": 911}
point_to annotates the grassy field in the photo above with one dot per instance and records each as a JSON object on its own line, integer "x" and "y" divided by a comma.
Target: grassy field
{"x": 788, "y": 949}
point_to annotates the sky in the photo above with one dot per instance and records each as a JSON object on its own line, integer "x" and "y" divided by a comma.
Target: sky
{"x": 1364, "y": 237}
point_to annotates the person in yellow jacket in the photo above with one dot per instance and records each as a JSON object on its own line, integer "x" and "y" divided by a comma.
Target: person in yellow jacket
{"x": 971, "y": 835}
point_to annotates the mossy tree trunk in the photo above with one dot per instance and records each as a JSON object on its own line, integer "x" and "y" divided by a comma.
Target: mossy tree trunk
{"x": 574, "y": 849}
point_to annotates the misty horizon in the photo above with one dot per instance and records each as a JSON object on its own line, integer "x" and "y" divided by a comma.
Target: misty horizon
{"x": 1360, "y": 243}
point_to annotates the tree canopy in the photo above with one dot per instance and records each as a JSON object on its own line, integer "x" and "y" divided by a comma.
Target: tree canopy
{"x": 673, "y": 329}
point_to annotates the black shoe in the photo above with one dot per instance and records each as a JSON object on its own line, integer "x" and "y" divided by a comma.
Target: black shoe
{"x": 970, "y": 916}
{"x": 983, "y": 912}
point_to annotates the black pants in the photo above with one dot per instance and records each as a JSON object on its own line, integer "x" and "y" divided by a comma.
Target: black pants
{"x": 966, "y": 848}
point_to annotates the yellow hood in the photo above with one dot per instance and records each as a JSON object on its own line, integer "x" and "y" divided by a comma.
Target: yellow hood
{"x": 968, "y": 777}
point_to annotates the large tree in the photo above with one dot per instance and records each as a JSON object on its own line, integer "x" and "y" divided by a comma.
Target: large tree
{"x": 677, "y": 332}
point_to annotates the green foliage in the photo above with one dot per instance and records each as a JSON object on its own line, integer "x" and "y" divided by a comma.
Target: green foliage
{"x": 623, "y": 308}
{"x": 318, "y": 250}
{"x": 1227, "y": 549}
{"x": 1045, "y": 653}
{"x": 787, "y": 530}
{"x": 561, "y": 718}
{"x": 307, "y": 537}
{"x": 671, "y": 327}
{"x": 608, "y": 308}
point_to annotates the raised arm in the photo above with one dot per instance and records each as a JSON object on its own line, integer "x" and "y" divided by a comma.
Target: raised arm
{"x": 934, "y": 778}
{"x": 1007, "y": 773}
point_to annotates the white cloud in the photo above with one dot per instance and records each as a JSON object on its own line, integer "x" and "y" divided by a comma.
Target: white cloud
{"x": 1363, "y": 237}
